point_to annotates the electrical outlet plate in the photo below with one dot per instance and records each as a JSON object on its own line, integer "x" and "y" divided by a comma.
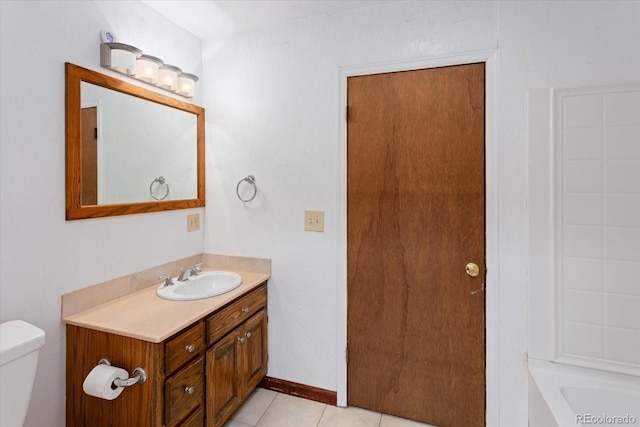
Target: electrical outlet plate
{"x": 314, "y": 221}
{"x": 193, "y": 222}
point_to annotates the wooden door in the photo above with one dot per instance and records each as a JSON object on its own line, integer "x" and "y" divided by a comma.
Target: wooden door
{"x": 223, "y": 380}
{"x": 415, "y": 218}
{"x": 89, "y": 169}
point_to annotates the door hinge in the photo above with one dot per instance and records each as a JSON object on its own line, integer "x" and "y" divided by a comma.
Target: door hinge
{"x": 346, "y": 354}
{"x": 346, "y": 113}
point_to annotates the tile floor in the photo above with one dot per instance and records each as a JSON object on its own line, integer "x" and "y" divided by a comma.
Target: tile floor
{"x": 266, "y": 408}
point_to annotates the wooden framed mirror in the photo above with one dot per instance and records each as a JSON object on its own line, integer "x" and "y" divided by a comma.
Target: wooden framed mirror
{"x": 129, "y": 150}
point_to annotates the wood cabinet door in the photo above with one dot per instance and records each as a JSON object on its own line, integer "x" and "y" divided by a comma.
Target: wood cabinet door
{"x": 224, "y": 392}
{"x": 255, "y": 350}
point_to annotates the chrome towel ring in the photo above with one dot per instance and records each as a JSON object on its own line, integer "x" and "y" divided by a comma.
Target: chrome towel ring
{"x": 153, "y": 191}
{"x": 251, "y": 180}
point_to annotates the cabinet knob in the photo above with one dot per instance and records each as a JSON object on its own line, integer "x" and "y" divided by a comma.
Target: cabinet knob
{"x": 245, "y": 310}
{"x": 189, "y": 389}
{"x": 241, "y": 339}
{"x": 190, "y": 348}
{"x": 248, "y": 334}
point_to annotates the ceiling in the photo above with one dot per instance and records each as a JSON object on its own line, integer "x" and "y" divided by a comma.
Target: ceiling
{"x": 217, "y": 18}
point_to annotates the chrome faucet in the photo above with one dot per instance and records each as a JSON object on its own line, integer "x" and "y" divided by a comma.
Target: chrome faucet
{"x": 168, "y": 281}
{"x": 196, "y": 269}
{"x": 184, "y": 274}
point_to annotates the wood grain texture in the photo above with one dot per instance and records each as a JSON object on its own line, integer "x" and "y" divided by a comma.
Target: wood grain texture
{"x": 235, "y": 313}
{"x": 89, "y": 168}
{"x": 137, "y": 403}
{"x": 74, "y": 75}
{"x": 178, "y": 349}
{"x": 415, "y": 203}
{"x": 255, "y": 351}
{"x": 196, "y": 419}
{"x": 179, "y": 399}
{"x": 224, "y": 387}
{"x": 329, "y": 397}
{"x": 235, "y": 366}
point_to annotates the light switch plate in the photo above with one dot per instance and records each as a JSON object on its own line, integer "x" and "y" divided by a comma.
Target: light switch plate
{"x": 193, "y": 222}
{"x": 314, "y": 221}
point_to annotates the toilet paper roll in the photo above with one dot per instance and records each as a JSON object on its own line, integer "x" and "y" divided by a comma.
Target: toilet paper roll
{"x": 99, "y": 382}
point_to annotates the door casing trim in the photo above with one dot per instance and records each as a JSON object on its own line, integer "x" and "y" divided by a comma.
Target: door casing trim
{"x": 492, "y": 355}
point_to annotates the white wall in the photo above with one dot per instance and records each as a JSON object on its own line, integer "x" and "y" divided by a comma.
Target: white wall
{"x": 273, "y": 110}
{"x": 42, "y": 256}
{"x": 272, "y": 104}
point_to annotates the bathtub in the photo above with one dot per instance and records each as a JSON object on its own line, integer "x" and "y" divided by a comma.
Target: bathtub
{"x": 570, "y": 396}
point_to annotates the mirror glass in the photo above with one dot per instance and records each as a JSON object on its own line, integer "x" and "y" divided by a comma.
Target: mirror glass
{"x": 129, "y": 149}
{"x": 138, "y": 144}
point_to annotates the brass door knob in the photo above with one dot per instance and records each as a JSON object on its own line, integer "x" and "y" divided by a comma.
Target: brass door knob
{"x": 472, "y": 269}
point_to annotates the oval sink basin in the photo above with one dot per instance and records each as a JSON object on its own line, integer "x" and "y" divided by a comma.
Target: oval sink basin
{"x": 207, "y": 284}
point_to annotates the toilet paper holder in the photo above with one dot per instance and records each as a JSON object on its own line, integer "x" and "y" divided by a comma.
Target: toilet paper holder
{"x": 139, "y": 376}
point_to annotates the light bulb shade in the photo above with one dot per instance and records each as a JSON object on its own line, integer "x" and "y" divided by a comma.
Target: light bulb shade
{"x": 147, "y": 68}
{"x": 168, "y": 77}
{"x": 186, "y": 84}
{"x": 119, "y": 57}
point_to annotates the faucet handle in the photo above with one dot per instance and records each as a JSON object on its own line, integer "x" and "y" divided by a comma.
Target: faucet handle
{"x": 196, "y": 269}
{"x": 168, "y": 281}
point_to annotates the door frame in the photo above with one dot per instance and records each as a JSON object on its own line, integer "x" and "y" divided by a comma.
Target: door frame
{"x": 492, "y": 355}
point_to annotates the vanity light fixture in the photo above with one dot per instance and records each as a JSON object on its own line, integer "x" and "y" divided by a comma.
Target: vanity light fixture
{"x": 147, "y": 68}
{"x": 168, "y": 77}
{"x": 119, "y": 57}
{"x": 130, "y": 61}
{"x": 186, "y": 84}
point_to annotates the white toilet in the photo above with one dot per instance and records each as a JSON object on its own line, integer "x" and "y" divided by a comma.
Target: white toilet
{"x": 20, "y": 344}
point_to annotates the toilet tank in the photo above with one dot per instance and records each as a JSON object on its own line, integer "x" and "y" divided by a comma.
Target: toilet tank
{"x": 20, "y": 343}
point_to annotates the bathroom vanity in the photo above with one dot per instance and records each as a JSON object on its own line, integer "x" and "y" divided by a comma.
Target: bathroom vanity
{"x": 202, "y": 358}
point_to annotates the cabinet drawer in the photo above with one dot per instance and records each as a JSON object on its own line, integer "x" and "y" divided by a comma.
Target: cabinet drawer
{"x": 184, "y": 347}
{"x": 184, "y": 391}
{"x": 229, "y": 317}
{"x": 194, "y": 420}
